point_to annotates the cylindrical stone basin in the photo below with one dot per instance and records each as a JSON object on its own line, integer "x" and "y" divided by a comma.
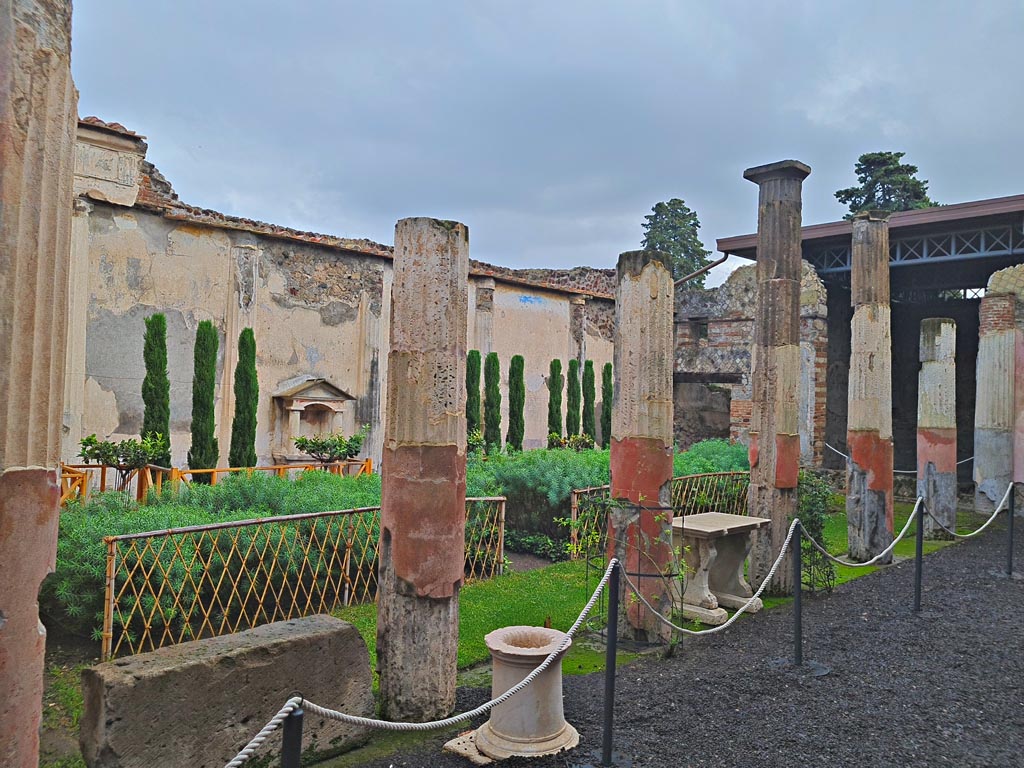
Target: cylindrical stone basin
{"x": 531, "y": 722}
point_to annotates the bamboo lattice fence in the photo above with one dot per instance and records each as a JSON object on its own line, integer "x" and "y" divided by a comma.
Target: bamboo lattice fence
{"x": 168, "y": 587}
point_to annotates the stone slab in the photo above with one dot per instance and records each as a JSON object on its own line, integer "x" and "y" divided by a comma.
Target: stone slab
{"x": 195, "y": 705}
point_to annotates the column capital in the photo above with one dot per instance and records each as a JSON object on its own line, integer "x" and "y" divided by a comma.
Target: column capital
{"x": 783, "y": 169}
{"x": 633, "y": 262}
{"x": 872, "y": 215}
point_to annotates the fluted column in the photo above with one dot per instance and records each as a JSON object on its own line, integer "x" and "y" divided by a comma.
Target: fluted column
{"x": 775, "y": 363}
{"x": 37, "y": 134}
{"x": 869, "y": 488}
{"x": 423, "y": 499}
{"x": 936, "y": 424}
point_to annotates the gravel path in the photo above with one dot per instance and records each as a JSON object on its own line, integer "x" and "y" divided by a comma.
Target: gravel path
{"x": 945, "y": 688}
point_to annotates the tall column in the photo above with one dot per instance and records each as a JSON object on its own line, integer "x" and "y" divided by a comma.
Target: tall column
{"x": 423, "y": 504}
{"x": 994, "y": 407}
{"x": 936, "y": 423}
{"x": 640, "y": 531}
{"x": 775, "y": 364}
{"x": 37, "y": 141}
{"x": 869, "y": 523}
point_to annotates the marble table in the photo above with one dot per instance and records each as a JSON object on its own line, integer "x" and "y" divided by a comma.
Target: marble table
{"x": 715, "y": 547}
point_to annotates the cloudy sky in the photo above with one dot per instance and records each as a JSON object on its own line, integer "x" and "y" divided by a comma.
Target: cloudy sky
{"x": 551, "y": 128}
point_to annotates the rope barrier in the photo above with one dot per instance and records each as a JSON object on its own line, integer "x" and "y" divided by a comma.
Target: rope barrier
{"x": 880, "y": 555}
{"x": 895, "y": 471}
{"x": 954, "y": 534}
{"x": 739, "y": 611}
{"x": 388, "y": 725}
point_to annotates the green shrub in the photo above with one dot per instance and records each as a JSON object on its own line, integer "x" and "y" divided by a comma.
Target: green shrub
{"x": 555, "y": 398}
{"x": 813, "y": 497}
{"x": 588, "y": 399}
{"x": 328, "y": 449}
{"x": 606, "y": 405}
{"x": 536, "y": 544}
{"x": 492, "y": 403}
{"x": 472, "y": 391}
{"x": 572, "y": 399}
{"x": 711, "y": 456}
{"x": 204, "y": 452}
{"x": 247, "y": 396}
{"x": 516, "y": 403}
{"x": 156, "y": 387}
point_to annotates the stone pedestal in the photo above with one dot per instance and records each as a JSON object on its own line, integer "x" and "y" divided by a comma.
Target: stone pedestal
{"x": 775, "y": 364}
{"x": 423, "y": 494}
{"x": 936, "y": 424}
{"x": 640, "y": 531}
{"x": 869, "y": 475}
{"x": 531, "y": 723}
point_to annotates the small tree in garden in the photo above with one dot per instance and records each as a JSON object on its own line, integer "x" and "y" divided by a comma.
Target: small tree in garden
{"x": 472, "y": 391}
{"x": 606, "y": 405}
{"x": 247, "y": 395}
{"x": 588, "y": 400}
{"x": 492, "y": 403}
{"x": 156, "y": 387}
{"x": 516, "y": 403}
{"x": 205, "y": 451}
{"x": 125, "y": 457}
{"x": 328, "y": 449}
{"x": 572, "y": 399}
{"x": 555, "y": 399}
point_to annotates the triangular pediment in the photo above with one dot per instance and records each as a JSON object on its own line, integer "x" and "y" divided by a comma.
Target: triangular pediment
{"x": 311, "y": 388}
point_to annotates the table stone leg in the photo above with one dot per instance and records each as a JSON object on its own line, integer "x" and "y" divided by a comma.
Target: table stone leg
{"x": 698, "y": 601}
{"x": 726, "y": 580}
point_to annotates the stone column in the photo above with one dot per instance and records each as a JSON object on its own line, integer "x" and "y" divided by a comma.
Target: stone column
{"x": 994, "y": 407}
{"x": 483, "y": 316}
{"x": 37, "y": 142}
{"x": 423, "y": 505}
{"x": 869, "y": 475}
{"x": 775, "y": 364}
{"x": 936, "y": 424}
{"x": 641, "y": 444}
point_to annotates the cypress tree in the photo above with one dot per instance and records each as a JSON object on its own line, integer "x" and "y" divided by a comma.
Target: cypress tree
{"x": 555, "y": 398}
{"x": 247, "y": 395}
{"x": 516, "y": 402}
{"x": 204, "y": 452}
{"x": 156, "y": 387}
{"x": 492, "y": 403}
{"x": 472, "y": 391}
{"x": 588, "y": 399}
{"x": 572, "y": 399}
{"x": 606, "y": 405}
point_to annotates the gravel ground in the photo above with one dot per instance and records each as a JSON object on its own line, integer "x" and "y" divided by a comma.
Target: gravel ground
{"x": 945, "y": 688}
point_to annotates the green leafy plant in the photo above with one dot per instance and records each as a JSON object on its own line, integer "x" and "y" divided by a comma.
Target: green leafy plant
{"x": 475, "y": 441}
{"x": 580, "y": 442}
{"x": 555, "y": 398}
{"x": 588, "y": 399}
{"x": 516, "y": 403}
{"x": 156, "y": 386}
{"x": 125, "y": 457}
{"x": 205, "y": 451}
{"x": 492, "y": 403}
{"x": 472, "y": 391}
{"x": 606, "y": 405}
{"x": 328, "y": 449}
{"x": 813, "y": 497}
{"x": 247, "y": 395}
{"x": 572, "y": 399}
{"x": 536, "y": 544}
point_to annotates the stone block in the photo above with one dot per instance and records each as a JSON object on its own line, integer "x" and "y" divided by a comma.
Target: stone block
{"x": 195, "y": 705}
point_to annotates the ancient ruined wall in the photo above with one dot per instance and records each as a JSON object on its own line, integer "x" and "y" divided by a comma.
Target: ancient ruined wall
{"x": 538, "y": 325}
{"x": 313, "y": 311}
{"x": 714, "y": 332}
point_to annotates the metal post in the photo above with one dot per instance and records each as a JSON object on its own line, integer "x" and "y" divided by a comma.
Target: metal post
{"x": 609, "y": 664}
{"x": 291, "y": 747}
{"x": 798, "y": 630}
{"x": 919, "y": 556}
{"x": 1009, "y": 530}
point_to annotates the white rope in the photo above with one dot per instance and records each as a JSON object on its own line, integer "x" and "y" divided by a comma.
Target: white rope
{"x": 257, "y": 741}
{"x": 964, "y": 461}
{"x": 739, "y": 611}
{"x": 895, "y": 471}
{"x": 836, "y": 450}
{"x": 388, "y": 725}
{"x": 999, "y": 508}
{"x": 880, "y": 555}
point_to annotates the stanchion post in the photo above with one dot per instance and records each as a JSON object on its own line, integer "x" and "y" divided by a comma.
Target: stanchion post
{"x": 291, "y": 747}
{"x": 1009, "y": 531}
{"x": 798, "y": 629}
{"x": 609, "y": 664}
{"x": 919, "y": 556}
